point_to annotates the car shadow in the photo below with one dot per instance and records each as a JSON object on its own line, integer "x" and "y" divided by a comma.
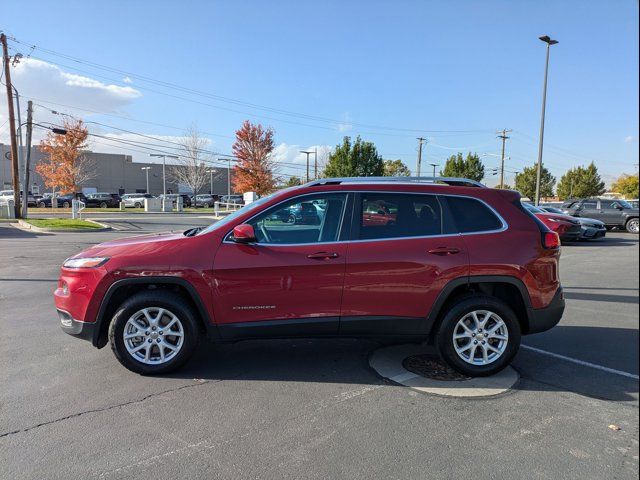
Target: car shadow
{"x": 8, "y": 231}
{"x": 347, "y": 361}
{"x": 600, "y": 242}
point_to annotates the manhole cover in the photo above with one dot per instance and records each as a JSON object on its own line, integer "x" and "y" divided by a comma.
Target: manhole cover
{"x": 432, "y": 367}
{"x": 418, "y": 367}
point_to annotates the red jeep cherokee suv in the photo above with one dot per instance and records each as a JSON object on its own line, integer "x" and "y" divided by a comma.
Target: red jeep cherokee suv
{"x": 445, "y": 260}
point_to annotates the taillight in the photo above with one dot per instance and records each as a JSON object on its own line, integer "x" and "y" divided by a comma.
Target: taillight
{"x": 550, "y": 240}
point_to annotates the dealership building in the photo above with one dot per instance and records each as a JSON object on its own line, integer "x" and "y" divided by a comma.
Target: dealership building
{"x": 115, "y": 173}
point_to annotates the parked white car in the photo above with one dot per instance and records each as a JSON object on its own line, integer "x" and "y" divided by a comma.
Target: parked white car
{"x": 135, "y": 200}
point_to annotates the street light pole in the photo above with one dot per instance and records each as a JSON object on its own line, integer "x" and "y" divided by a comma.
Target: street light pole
{"x": 164, "y": 167}
{"x": 434, "y": 165}
{"x": 307, "y": 153}
{"x": 546, "y": 39}
{"x": 229, "y": 179}
{"x": 147, "y": 172}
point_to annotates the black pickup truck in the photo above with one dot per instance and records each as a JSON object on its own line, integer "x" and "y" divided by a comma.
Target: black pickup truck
{"x": 614, "y": 213}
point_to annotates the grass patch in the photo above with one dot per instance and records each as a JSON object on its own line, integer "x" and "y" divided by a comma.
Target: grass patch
{"x": 62, "y": 223}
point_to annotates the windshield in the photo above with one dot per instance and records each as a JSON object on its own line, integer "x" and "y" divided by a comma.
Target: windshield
{"x": 232, "y": 216}
{"x": 531, "y": 208}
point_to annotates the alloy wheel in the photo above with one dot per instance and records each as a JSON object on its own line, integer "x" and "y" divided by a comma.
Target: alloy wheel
{"x": 153, "y": 335}
{"x": 632, "y": 226}
{"x": 480, "y": 337}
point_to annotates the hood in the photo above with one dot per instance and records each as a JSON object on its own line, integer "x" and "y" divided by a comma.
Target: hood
{"x": 558, "y": 217}
{"x": 590, "y": 221}
{"x": 140, "y": 244}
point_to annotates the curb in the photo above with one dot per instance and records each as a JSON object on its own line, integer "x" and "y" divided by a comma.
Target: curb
{"x": 22, "y": 225}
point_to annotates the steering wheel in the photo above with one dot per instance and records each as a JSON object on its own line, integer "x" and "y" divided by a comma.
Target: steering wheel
{"x": 264, "y": 232}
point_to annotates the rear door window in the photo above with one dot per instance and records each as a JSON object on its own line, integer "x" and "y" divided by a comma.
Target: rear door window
{"x": 471, "y": 216}
{"x": 397, "y": 215}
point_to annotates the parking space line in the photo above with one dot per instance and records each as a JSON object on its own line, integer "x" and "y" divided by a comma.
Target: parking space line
{"x": 582, "y": 362}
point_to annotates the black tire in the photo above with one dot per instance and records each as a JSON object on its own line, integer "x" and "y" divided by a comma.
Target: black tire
{"x": 66, "y": 205}
{"x": 632, "y": 225}
{"x": 137, "y": 205}
{"x": 103, "y": 205}
{"x": 162, "y": 299}
{"x": 42, "y": 205}
{"x": 444, "y": 335}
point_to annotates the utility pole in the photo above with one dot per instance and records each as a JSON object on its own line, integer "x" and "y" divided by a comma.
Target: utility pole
{"x": 503, "y": 136}
{"x": 25, "y": 198}
{"x": 307, "y": 153}
{"x": 546, "y": 39}
{"x": 315, "y": 164}
{"x": 15, "y": 171}
{"x": 229, "y": 179}
{"x": 419, "y": 163}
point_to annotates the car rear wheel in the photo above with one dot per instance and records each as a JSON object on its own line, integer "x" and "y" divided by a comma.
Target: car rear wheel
{"x": 632, "y": 226}
{"x": 478, "y": 336}
{"x": 103, "y": 205}
{"x": 42, "y": 205}
{"x": 66, "y": 205}
{"x": 137, "y": 205}
{"x": 154, "y": 332}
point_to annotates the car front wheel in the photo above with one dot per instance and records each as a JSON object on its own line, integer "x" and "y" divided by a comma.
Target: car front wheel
{"x": 632, "y": 226}
{"x": 479, "y": 336}
{"x": 154, "y": 332}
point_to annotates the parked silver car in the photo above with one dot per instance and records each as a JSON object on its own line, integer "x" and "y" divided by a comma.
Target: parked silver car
{"x": 135, "y": 200}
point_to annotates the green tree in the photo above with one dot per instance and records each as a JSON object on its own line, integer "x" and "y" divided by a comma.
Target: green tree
{"x": 526, "y": 182}
{"x": 581, "y": 182}
{"x": 396, "y": 168}
{"x": 354, "y": 159}
{"x": 627, "y": 185}
{"x": 470, "y": 167}
{"x": 293, "y": 181}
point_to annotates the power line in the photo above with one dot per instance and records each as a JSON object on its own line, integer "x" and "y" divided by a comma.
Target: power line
{"x": 221, "y": 98}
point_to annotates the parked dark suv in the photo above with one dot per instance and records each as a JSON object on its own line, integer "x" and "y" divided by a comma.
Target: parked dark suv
{"x": 448, "y": 261}
{"x": 103, "y": 200}
{"x": 613, "y": 213}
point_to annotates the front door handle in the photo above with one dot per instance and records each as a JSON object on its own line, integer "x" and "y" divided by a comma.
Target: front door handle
{"x": 444, "y": 251}
{"x": 322, "y": 255}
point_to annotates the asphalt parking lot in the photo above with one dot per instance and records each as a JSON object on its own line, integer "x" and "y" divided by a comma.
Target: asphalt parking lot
{"x": 313, "y": 409}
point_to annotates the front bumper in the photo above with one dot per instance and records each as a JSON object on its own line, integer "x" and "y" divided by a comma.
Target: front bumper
{"x": 543, "y": 319}
{"x": 572, "y": 233}
{"x": 75, "y": 327}
{"x": 590, "y": 232}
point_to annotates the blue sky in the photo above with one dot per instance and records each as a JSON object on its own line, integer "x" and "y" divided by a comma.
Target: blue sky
{"x": 451, "y": 71}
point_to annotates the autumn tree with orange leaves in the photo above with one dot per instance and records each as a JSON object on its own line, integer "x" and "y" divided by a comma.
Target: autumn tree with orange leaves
{"x": 65, "y": 166}
{"x": 255, "y": 168}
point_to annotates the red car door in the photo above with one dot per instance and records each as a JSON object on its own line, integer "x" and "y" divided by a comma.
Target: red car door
{"x": 290, "y": 281}
{"x": 395, "y": 271}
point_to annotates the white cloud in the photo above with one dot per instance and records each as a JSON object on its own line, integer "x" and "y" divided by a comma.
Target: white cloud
{"x": 629, "y": 139}
{"x": 293, "y": 162}
{"x": 127, "y": 80}
{"x": 140, "y": 147}
{"x": 44, "y": 82}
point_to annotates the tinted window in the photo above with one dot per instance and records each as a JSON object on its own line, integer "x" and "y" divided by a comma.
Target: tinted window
{"x": 309, "y": 219}
{"x": 470, "y": 215}
{"x": 590, "y": 205}
{"x": 608, "y": 204}
{"x": 386, "y": 215}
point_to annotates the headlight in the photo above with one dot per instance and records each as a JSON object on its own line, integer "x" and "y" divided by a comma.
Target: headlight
{"x": 88, "y": 262}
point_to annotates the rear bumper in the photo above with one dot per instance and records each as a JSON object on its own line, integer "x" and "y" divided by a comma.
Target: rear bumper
{"x": 75, "y": 327}
{"x": 543, "y": 319}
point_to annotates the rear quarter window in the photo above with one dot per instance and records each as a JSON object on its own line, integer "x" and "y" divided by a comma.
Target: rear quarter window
{"x": 470, "y": 215}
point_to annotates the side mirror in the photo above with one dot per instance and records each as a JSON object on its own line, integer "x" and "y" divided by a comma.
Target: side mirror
{"x": 244, "y": 234}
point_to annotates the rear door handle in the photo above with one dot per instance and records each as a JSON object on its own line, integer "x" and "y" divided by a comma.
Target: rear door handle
{"x": 444, "y": 251}
{"x": 322, "y": 255}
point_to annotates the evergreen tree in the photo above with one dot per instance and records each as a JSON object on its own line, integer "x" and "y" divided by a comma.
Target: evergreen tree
{"x": 354, "y": 159}
{"x": 470, "y": 167}
{"x": 526, "y": 182}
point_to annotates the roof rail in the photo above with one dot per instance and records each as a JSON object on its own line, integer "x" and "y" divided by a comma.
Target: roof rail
{"x": 453, "y": 181}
